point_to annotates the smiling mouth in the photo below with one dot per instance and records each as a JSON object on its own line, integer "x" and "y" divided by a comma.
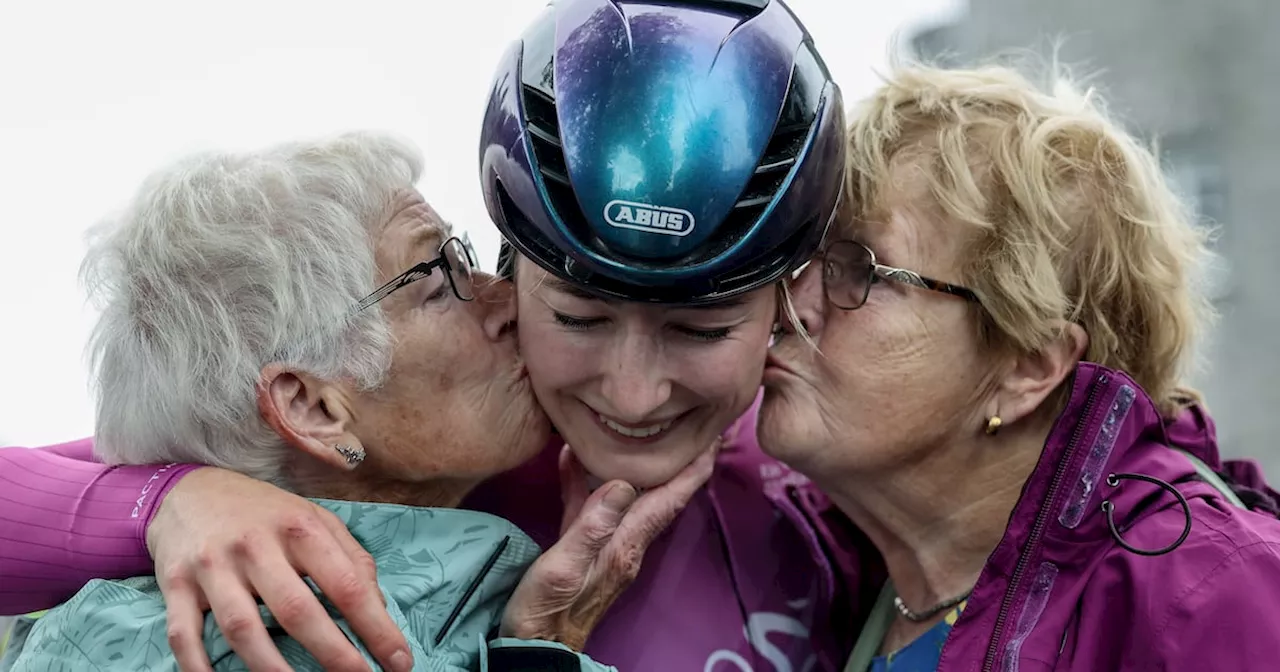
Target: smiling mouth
{"x": 633, "y": 433}
{"x": 643, "y": 432}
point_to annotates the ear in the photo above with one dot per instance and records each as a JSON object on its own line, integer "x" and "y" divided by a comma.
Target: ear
{"x": 311, "y": 415}
{"x": 1035, "y": 376}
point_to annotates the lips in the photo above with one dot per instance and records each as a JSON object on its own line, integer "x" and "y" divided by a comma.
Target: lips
{"x": 636, "y": 432}
{"x": 771, "y": 361}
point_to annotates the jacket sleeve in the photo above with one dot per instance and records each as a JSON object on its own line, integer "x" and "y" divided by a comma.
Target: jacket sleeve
{"x": 66, "y": 519}
{"x": 509, "y": 655}
{"x": 1231, "y": 620}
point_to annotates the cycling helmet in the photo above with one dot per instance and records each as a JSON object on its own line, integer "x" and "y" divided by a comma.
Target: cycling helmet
{"x": 663, "y": 151}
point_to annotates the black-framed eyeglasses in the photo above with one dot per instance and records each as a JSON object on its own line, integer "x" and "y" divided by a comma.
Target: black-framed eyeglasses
{"x": 458, "y": 259}
{"x": 849, "y": 268}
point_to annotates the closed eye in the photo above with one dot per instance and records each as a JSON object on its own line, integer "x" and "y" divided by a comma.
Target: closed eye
{"x": 436, "y": 285}
{"x": 705, "y": 334}
{"x": 577, "y": 322}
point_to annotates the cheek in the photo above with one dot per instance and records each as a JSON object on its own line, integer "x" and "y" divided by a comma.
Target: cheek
{"x": 429, "y": 365}
{"x": 900, "y": 368}
{"x": 555, "y": 360}
{"x": 723, "y": 373}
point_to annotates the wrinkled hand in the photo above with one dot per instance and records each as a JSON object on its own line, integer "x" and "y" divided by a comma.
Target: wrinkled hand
{"x": 220, "y": 539}
{"x": 603, "y": 540}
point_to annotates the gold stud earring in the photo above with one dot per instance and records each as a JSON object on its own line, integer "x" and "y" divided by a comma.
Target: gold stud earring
{"x": 993, "y": 425}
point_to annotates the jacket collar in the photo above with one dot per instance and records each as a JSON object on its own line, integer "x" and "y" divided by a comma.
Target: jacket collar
{"x": 1108, "y": 427}
{"x": 434, "y": 562}
{"x": 1109, "y": 431}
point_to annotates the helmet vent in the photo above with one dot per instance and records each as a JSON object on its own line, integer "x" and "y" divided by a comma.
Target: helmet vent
{"x": 781, "y": 154}
{"x": 548, "y": 153}
{"x": 544, "y": 131}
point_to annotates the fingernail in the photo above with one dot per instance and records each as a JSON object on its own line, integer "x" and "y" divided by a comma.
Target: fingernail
{"x": 401, "y": 661}
{"x": 619, "y": 498}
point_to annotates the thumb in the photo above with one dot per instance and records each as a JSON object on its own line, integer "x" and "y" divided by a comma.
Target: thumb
{"x": 599, "y": 518}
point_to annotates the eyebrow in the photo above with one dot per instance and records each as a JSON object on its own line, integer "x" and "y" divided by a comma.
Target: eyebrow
{"x": 430, "y": 235}
{"x": 576, "y": 291}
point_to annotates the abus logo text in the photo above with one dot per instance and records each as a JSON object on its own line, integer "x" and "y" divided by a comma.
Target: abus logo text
{"x": 650, "y": 218}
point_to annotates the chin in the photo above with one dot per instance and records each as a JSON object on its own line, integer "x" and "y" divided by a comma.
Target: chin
{"x": 647, "y": 471}
{"x": 782, "y": 424}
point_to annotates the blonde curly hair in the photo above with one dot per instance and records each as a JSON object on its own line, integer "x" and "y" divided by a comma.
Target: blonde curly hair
{"x": 1069, "y": 217}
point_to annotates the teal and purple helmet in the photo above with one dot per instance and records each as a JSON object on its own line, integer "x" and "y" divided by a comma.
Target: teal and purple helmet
{"x": 663, "y": 151}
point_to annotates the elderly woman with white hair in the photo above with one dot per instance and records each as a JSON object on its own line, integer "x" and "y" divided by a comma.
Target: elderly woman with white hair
{"x": 1003, "y": 324}
{"x": 244, "y": 328}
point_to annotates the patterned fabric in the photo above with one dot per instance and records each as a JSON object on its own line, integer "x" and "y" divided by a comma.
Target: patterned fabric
{"x": 921, "y": 655}
{"x": 445, "y": 573}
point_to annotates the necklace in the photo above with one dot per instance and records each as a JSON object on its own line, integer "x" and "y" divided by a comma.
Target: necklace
{"x": 919, "y": 616}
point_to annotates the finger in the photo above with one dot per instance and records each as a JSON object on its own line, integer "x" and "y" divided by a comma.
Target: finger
{"x": 184, "y": 615}
{"x": 292, "y": 602}
{"x": 371, "y": 622}
{"x": 573, "y": 487}
{"x": 657, "y": 508}
{"x": 347, "y": 575}
{"x": 237, "y": 616}
{"x": 359, "y": 556}
{"x": 600, "y": 517}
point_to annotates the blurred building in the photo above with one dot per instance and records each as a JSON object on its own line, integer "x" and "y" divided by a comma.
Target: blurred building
{"x": 1204, "y": 79}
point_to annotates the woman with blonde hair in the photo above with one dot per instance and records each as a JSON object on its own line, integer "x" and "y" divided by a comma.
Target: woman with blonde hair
{"x": 1003, "y": 325}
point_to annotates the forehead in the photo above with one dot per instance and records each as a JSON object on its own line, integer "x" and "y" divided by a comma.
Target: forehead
{"x": 906, "y": 223}
{"x": 411, "y": 230}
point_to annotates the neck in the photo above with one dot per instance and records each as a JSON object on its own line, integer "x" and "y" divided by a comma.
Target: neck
{"x": 937, "y": 519}
{"x": 367, "y": 484}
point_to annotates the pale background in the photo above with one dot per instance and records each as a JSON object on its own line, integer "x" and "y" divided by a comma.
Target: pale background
{"x": 95, "y": 95}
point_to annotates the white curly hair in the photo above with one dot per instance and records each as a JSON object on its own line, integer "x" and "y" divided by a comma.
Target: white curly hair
{"x": 221, "y": 264}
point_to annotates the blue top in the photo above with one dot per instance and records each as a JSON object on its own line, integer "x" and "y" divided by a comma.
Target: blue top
{"x": 921, "y": 655}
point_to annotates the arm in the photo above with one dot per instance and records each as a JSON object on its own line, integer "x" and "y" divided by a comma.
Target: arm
{"x": 65, "y": 519}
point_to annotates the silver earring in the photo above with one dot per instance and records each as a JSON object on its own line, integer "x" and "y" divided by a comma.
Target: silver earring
{"x": 353, "y": 456}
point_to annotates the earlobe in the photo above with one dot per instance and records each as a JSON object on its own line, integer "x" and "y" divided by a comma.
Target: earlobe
{"x": 1035, "y": 376}
{"x": 310, "y": 415}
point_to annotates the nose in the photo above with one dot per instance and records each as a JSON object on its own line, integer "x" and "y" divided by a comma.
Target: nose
{"x": 636, "y": 384}
{"x": 496, "y": 301}
{"x": 808, "y": 300}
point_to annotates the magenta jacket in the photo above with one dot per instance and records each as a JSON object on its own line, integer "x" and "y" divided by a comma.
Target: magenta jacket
{"x": 1060, "y": 591}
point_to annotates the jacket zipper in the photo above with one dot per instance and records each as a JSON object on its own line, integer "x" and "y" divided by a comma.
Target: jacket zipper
{"x": 1037, "y": 530}
{"x": 471, "y": 589}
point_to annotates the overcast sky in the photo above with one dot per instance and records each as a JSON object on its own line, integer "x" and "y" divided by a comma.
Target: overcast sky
{"x": 96, "y": 95}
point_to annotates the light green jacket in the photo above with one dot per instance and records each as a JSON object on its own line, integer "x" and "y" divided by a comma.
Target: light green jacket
{"x": 446, "y": 575}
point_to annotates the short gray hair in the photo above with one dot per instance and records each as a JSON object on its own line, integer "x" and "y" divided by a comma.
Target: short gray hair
{"x": 226, "y": 262}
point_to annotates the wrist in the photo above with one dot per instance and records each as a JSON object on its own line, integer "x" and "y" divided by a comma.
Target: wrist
{"x": 154, "y": 495}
